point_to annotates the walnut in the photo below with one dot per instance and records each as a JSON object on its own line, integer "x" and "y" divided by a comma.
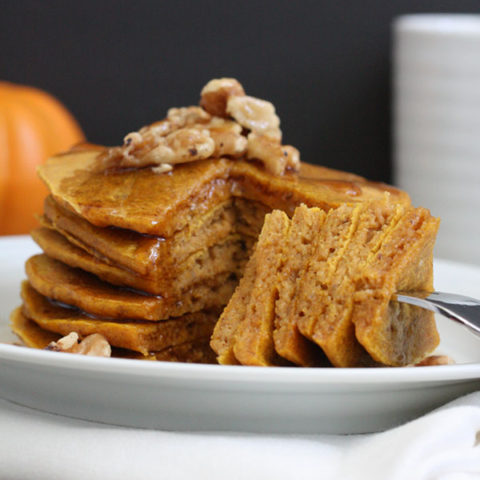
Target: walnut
{"x": 187, "y": 116}
{"x": 162, "y": 168}
{"x": 156, "y": 130}
{"x": 256, "y": 115}
{"x": 93, "y": 345}
{"x": 147, "y": 149}
{"x": 215, "y": 94}
{"x": 64, "y": 344}
{"x": 182, "y": 146}
{"x": 276, "y": 158}
{"x": 435, "y": 360}
{"x": 228, "y": 138}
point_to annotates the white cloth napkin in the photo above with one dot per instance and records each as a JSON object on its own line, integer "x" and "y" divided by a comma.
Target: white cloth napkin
{"x": 444, "y": 444}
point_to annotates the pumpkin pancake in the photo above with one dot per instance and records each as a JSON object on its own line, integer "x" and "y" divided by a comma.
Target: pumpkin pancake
{"x": 164, "y": 204}
{"x": 329, "y": 246}
{"x": 223, "y": 337}
{"x": 253, "y": 339}
{"x": 396, "y": 334}
{"x": 297, "y": 250}
{"x": 136, "y": 199}
{"x": 138, "y": 252}
{"x": 29, "y": 332}
{"x": 206, "y": 266}
{"x": 140, "y": 336}
{"x": 334, "y": 330}
{"x": 33, "y": 336}
{"x": 314, "y": 186}
{"x": 75, "y": 287}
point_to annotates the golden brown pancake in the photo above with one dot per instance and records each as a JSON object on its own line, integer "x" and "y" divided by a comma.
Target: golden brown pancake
{"x": 140, "y": 336}
{"x": 33, "y": 336}
{"x": 163, "y": 204}
{"x": 209, "y": 267}
{"x": 138, "y": 252}
{"x": 78, "y": 288}
{"x": 297, "y": 250}
{"x": 253, "y": 339}
{"x": 397, "y": 334}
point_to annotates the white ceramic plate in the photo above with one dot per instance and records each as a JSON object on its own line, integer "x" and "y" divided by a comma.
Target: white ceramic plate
{"x": 178, "y": 396}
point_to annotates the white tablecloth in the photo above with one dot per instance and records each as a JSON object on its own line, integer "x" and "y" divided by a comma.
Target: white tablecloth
{"x": 444, "y": 444}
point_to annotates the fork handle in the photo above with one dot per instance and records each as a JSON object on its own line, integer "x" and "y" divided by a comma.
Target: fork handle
{"x": 464, "y": 310}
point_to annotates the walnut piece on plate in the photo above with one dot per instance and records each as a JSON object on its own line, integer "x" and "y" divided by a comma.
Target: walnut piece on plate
{"x": 92, "y": 345}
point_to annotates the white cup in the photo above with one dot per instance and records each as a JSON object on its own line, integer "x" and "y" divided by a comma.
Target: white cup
{"x": 436, "y": 118}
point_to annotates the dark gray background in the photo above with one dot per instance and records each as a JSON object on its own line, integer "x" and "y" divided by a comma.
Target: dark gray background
{"x": 118, "y": 65}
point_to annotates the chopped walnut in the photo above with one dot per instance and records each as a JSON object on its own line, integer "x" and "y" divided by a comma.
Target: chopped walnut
{"x": 162, "y": 168}
{"x": 180, "y": 146}
{"x": 155, "y": 130}
{"x": 256, "y": 115}
{"x": 187, "y": 116}
{"x": 228, "y": 138}
{"x": 217, "y": 130}
{"x": 93, "y": 345}
{"x": 228, "y": 143}
{"x": 276, "y": 158}
{"x": 215, "y": 94}
{"x": 435, "y": 360}
{"x": 183, "y": 146}
{"x": 64, "y": 344}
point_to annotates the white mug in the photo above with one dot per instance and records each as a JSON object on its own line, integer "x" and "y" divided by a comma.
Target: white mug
{"x": 436, "y": 124}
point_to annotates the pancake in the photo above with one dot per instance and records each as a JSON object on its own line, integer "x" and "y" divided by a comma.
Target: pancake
{"x": 330, "y": 244}
{"x": 161, "y": 205}
{"x": 33, "y": 336}
{"x": 253, "y": 339}
{"x": 208, "y": 266}
{"x": 139, "y": 252}
{"x": 396, "y": 334}
{"x": 75, "y": 287}
{"x": 334, "y": 330}
{"x": 297, "y": 250}
{"x": 136, "y": 199}
{"x": 140, "y": 336}
{"x": 223, "y": 336}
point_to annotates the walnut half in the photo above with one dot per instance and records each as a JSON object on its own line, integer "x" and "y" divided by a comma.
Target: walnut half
{"x": 92, "y": 345}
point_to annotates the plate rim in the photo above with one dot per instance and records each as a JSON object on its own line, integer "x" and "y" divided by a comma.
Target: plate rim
{"x": 238, "y": 374}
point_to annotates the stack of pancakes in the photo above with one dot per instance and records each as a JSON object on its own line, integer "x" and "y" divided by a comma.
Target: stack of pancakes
{"x": 149, "y": 260}
{"x": 318, "y": 286}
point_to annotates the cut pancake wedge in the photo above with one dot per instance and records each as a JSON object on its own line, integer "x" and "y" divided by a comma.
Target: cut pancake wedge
{"x": 297, "y": 250}
{"x": 396, "y": 334}
{"x": 330, "y": 244}
{"x": 253, "y": 339}
{"x": 334, "y": 330}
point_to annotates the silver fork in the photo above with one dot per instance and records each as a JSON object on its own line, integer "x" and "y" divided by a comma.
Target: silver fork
{"x": 464, "y": 310}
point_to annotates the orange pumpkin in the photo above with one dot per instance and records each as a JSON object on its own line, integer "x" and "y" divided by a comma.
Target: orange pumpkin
{"x": 33, "y": 126}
